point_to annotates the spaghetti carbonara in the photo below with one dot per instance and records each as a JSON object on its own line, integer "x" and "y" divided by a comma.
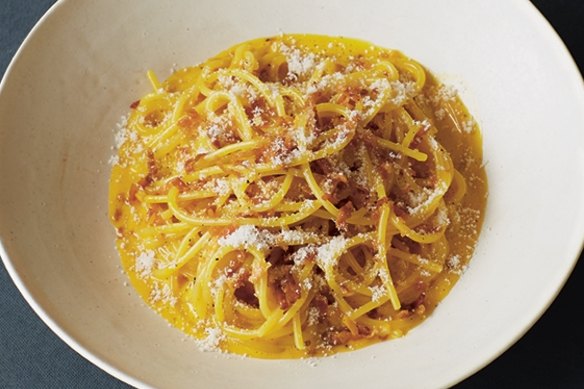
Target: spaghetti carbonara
{"x": 296, "y": 196}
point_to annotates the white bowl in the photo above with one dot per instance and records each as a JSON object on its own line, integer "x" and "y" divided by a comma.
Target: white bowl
{"x": 85, "y": 63}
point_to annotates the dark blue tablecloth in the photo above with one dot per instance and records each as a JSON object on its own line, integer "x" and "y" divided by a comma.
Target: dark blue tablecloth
{"x": 551, "y": 355}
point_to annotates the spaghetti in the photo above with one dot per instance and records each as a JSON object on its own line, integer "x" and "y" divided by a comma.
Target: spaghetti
{"x": 298, "y": 195}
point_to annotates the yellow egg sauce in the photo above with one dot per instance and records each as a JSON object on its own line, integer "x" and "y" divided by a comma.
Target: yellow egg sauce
{"x": 297, "y": 196}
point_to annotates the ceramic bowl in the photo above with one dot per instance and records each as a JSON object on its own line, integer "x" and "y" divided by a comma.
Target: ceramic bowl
{"x": 85, "y": 62}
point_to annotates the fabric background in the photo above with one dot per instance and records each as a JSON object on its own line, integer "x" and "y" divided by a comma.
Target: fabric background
{"x": 550, "y": 355}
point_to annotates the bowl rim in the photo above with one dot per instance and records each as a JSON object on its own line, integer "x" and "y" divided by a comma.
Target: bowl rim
{"x": 528, "y": 9}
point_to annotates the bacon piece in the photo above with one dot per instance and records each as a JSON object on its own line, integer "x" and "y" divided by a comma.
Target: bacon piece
{"x": 279, "y": 149}
{"x": 132, "y": 199}
{"x": 377, "y": 212}
{"x": 152, "y": 167}
{"x": 417, "y": 306}
{"x": 177, "y": 182}
{"x": 321, "y": 304}
{"x": 419, "y": 136}
{"x": 344, "y": 336}
{"x": 345, "y": 212}
{"x": 349, "y": 96}
{"x": 147, "y": 180}
{"x": 424, "y": 170}
{"x": 154, "y": 119}
{"x": 152, "y": 170}
{"x": 291, "y": 291}
{"x": 299, "y": 190}
{"x": 360, "y": 197}
{"x": 190, "y": 121}
{"x": 386, "y": 170}
{"x": 363, "y": 330}
{"x": 399, "y": 209}
{"x": 416, "y": 303}
{"x": 154, "y": 216}
{"x": 276, "y": 256}
{"x": 117, "y": 214}
{"x": 339, "y": 338}
{"x": 322, "y": 166}
{"x": 336, "y": 187}
{"x": 404, "y": 314}
{"x": 285, "y": 286}
{"x": 245, "y": 293}
{"x": 375, "y": 314}
{"x": 190, "y": 165}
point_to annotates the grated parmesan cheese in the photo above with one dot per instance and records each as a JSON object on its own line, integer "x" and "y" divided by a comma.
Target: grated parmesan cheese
{"x": 162, "y": 294}
{"x": 442, "y": 218}
{"x": 180, "y": 166}
{"x": 212, "y": 340}
{"x": 113, "y": 160}
{"x": 468, "y": 126}
{"x": 313, "y": 316}
{"x": 120, "y": 138}
{"x": 383, "y": 275}
{"x": 214, "y": 132}
{"x": 377, "y": 292}
{"x": 298, "y": 64}
{"x": 247, "y": 236}
{"x": 381, "y": 85}
{"x": 444, "y": 93}
{"x": 424, "y": 124}
{"x": 403, "y": 91}
{"x": 327, "y": 81}
{"x": 423, "y": 199}
{"x": 219, "y": 186}
{"x": 302, "y": 254}
{"x": 296, "y": 236}
{"x": 328, "y": 252}
{"x": 454, "y": 262}
{"x": 217, "y": 284}
{"x": 144, "y": 263}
